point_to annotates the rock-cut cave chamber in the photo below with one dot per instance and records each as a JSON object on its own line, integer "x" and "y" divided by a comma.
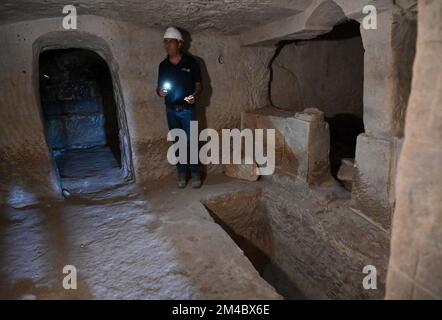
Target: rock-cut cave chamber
{"x": 85, "y": 181}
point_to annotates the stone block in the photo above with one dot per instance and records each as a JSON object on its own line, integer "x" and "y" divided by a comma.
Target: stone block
{"x": 373, "y": 180}
{"x": 346, "y": 173}
{"x": 302, "y": 141}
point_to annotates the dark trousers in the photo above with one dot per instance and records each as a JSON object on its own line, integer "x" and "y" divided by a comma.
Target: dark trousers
{"x": 181, "y": 120}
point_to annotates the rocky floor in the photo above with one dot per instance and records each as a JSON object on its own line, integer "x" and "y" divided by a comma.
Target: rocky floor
{"x": 157, "y": 242}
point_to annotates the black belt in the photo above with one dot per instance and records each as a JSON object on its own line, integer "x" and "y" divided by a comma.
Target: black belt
{"x": 178, "y": 107}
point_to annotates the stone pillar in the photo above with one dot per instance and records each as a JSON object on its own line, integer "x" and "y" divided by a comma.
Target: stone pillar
{"x": 415, "y": 270}
{"x": 389, "y": 55}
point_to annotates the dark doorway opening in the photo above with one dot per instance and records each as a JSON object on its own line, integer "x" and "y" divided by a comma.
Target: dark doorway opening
{"x": 80, "y": 115}
{"x": 346, "y": 120}
{"x": 344, "y": 130}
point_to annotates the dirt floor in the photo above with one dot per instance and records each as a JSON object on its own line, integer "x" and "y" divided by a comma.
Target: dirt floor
{"x": 159, "y": 242}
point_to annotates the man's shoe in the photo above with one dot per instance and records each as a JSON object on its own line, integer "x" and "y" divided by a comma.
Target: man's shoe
{"x": 182, "y": 180}
{"x": 196, "y": 181}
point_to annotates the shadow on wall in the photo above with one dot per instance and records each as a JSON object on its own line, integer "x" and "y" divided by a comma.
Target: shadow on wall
{"x": 206, "y": 94}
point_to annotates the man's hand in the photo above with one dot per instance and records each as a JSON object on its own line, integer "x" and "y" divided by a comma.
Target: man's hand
{"x": 190, "y": 99}
{"x": 163, "y": 92}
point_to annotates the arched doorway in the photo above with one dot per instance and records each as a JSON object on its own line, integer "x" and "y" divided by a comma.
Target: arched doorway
{"x": 81, "y": 118}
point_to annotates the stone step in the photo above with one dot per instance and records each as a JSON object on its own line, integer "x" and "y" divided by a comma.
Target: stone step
{"x": 347, "y": 172}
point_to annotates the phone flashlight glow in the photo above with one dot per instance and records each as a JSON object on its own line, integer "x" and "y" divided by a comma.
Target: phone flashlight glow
{"x": 167, "y": 86}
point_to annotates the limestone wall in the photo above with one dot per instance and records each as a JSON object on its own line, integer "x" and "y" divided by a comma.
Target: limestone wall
{"x": 416, "y": 259}
{"x": 133, "y": 53}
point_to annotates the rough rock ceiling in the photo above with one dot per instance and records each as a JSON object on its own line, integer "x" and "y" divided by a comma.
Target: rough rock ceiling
{"x": 225, "y": 16}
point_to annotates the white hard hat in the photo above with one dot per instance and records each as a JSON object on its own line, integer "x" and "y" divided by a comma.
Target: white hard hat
{"x": 173, "y": 33}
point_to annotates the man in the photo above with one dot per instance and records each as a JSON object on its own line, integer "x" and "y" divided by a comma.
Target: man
{"x": 179, "y": 82}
